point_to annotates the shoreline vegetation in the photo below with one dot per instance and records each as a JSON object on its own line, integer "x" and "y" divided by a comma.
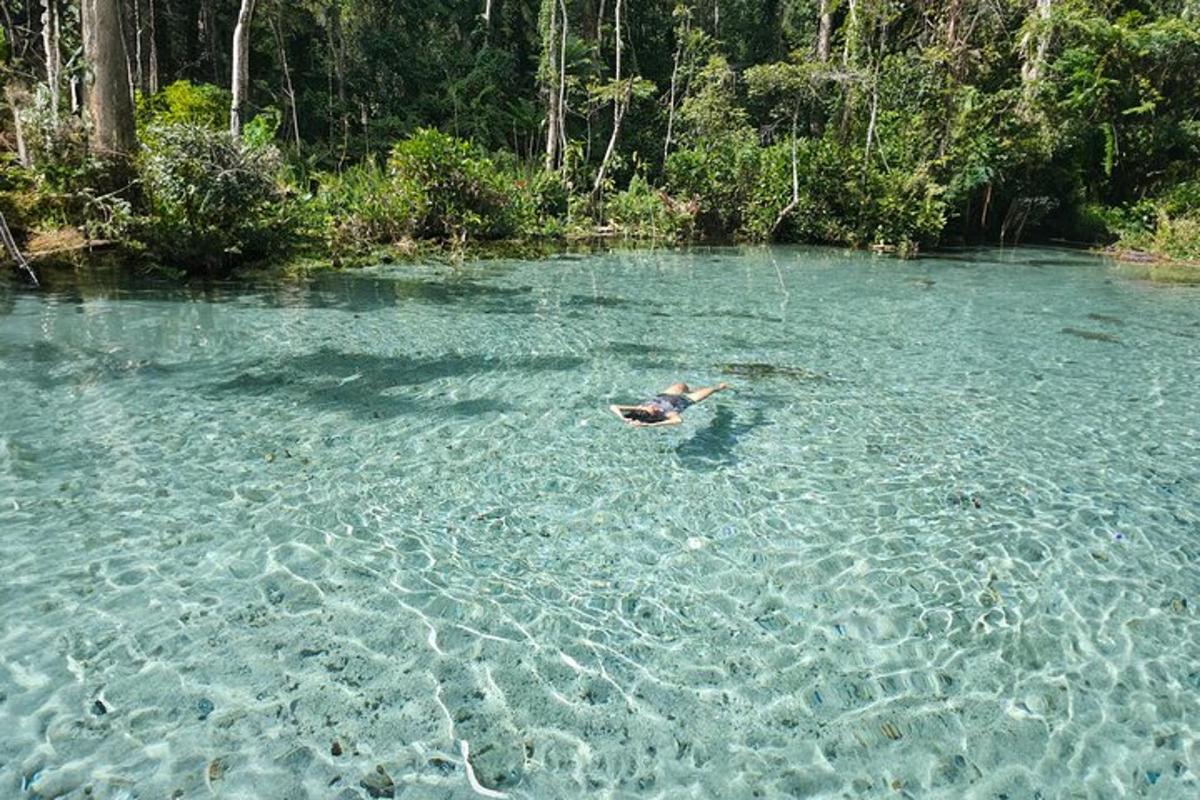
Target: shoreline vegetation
{"x": 258, "y": 135}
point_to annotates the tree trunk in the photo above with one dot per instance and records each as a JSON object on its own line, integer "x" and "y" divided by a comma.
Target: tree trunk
{"x": 875, "y": 98}
{"x": 562, "y": 83}
{"x": 825, "y": 30}
{"x": 11, "y": 32}
{"x": 552, "y": 110}
{"x": 681, "y": 35}
{"x": 153, "y": 56}
{"x": 109, "y": 103}
{"x": 50, "y": 40}
{"x": 1035, "y": 58}
{"x": 795, "y": 202}
{"x": 17, "y": 100}
{"x": 131, "y": 69}
{"x": 337, "y": 43}
{"x": 288, "y": 89}
{"x": 138, "y": 72}
{"x": 620, "y": 103}
{"x": 241, "y": 67}
{"x": 851, "y": 32}
{"x": 208, "y": 37}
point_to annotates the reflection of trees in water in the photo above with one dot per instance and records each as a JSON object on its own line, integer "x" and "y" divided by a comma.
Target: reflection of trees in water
{"x": 715, "y": 445}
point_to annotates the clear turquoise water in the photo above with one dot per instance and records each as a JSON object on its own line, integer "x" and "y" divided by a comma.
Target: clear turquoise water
{"x": 948, "y": 550}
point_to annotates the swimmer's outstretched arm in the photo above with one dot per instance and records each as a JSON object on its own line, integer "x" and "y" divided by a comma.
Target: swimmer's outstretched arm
{"x": 706, "y": 392}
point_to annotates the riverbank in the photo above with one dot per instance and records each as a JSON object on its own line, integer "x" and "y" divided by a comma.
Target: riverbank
{"x": 1155, "y": 267}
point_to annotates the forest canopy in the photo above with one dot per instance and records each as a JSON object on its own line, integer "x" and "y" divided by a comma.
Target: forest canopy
{"x": 209, "y": 133}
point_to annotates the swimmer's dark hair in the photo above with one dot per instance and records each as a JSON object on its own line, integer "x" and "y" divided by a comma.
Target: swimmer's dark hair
{"x": 642, "y": 415}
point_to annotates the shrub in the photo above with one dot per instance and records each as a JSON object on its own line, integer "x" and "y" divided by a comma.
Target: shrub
{"x": 718, "y": 176}
{"x": 641, "y": 211}
{"x": 213, "y": 200}
{"x": 464, "y": 195}
{"x": 185, "y": 103}
{"x": 367, "y": 205}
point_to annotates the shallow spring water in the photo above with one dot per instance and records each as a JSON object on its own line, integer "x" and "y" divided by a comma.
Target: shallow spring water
{"x": 304, "y": 540}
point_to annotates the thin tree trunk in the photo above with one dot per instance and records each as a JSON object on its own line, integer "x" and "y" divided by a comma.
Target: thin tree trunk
{"x": 551, "y": 46}
{"x": 338, "y": 42}
{"x": 289, "y": 90}
{"x": 1035, "y": 57}
{"x": 15, "y": 103}
{"x": 849, "y": 57}
{"x": 620, "y": 101}
{"x": 208, "y": 31}
{"x": 682, "y": 34}
{"x": 109, "y": 103}
{"x": 562, "y": 83}
{"x": 825, "y": 30}
{"x": 139, "y": 71}
{"x": 15, "y": 254}
{"x": 790, "y": 207}
{"x": 130, "y": 47}
{"x": 11, "y": 32}
{"x": 241, "y": 67}
{"x": 851, "y": 32}
{"x": 50, "y": 39}
{"x": 875, "y": 98}
{"x": 153, "y": 57}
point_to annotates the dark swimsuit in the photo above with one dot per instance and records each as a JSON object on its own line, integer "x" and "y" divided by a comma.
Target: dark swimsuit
{"x": 667, "y": 403}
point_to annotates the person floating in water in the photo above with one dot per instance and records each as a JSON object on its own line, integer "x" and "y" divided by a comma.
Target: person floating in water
{"x": 667, "y": 407}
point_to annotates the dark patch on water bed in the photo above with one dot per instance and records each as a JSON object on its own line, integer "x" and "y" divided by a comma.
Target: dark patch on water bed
{"x": 735, "y": 315}
{"x": 714, "y": 445}
{"x": 599, "y": 301}
{"x": 1106, "y": 318}
{"x": 762, "y": 370}
{"x": 360, "y": 382}
{"x": 637, "y": 349}
{"x": 1091, "y": 336}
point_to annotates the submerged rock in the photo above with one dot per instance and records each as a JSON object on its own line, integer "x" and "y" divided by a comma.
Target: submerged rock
{"x": 1091, "y": 336}
{"x": 205, "y": 707}
{"x": 379, "y": 783}
{"x": 762, "y": 370}
{"x": 1106, "y": 318}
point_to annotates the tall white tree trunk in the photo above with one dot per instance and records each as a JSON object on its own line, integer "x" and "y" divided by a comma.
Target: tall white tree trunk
{"x": 620, "y": 102}
{"x": 681, "y": 35}
{"x": 110, "y": 106}
{"x": 1035, "y": 56}
{"x": 552, "y": 109}
{"x": 50, "y": 39}
{"x": 241, "y": 67}
{"x": 562, "y": 82}
{"x": 875, "y": 98}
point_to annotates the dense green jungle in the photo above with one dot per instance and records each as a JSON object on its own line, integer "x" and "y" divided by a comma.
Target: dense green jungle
{"x": 207, "y": 136}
